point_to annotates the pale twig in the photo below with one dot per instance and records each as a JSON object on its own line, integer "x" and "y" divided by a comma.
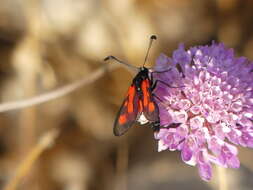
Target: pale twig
{"x": 25, "y": 166}
{"x": 62, "y": 91}
{"x": 48, "y": 139}
{"x": 122, "y": 165}
{"x": 222, "y": 178}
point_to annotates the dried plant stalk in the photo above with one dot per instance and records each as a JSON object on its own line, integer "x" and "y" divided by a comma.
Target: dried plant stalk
{"x": 222, "y": 178}
{"x": 65, "y": 90}
{"x": 122, "y": 165}
{"x": 25, "y": 166}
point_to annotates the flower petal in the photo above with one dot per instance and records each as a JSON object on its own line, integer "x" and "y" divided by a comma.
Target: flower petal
{"x": 213, "y": 108}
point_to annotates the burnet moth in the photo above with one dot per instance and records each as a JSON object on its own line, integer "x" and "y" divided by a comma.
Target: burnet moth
{"x": 139, "y": 104}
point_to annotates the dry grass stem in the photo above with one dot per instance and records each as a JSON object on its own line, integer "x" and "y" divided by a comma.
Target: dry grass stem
{"x": 222, "y": 178}
{"x": 25, "y": 166}
{"x": 65, "y": 90}
{"x": 122, "y": 165}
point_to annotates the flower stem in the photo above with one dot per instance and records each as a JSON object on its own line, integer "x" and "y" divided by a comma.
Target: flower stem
{"x": 222, "y": 178}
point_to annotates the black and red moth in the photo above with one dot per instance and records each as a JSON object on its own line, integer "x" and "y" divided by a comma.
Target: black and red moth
{"x": 139, "y": 103}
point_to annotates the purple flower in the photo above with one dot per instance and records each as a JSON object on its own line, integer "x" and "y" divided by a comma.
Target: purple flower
{"x": 211, "y": 96}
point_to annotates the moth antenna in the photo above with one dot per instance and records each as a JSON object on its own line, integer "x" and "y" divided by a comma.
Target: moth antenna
{"x": 152, "y": 38}
{"x": 121, "y": 62}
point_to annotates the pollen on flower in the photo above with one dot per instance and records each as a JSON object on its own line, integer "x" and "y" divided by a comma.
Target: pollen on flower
{"x": 213, "y": 103}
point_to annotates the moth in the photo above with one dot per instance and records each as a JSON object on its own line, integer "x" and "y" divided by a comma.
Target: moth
{"x": 139, "y": 104}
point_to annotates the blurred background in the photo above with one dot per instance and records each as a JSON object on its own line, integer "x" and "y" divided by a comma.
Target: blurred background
{"x": 67, "y": 143}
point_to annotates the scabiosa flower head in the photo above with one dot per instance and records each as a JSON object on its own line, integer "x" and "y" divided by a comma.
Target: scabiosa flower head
{"x": 211, "y": 98}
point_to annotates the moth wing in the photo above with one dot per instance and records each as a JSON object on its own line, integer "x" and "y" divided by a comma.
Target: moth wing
{"x": 151, "y": 111}
{"x": 127, "y": 114}
{"x": 150, "y": 108}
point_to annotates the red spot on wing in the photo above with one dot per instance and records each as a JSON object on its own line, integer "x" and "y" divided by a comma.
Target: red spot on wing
{"x": 150, "y": 109}
{"x": 131, "y": 94}
{"x": 122, "y": 119}
{"x": 151, "y": 106}
{"x": 144, "y": 88}
{"x": 140, "y": 106}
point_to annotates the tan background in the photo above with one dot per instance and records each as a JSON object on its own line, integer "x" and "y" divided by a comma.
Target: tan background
{"x": 47, "y": 44}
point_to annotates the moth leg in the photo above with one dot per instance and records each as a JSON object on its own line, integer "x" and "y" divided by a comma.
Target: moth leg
{"x": 152, "y": 81}
{"x": 152, "y": 77}
{"x": 173, "y": 125}
{"x": 154, "y": 84}
{"x": 157, "y": 98}
{"x": 166, "y": 84}
{"x": 155, "y": 126}
{"x": 164, "y": 71}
